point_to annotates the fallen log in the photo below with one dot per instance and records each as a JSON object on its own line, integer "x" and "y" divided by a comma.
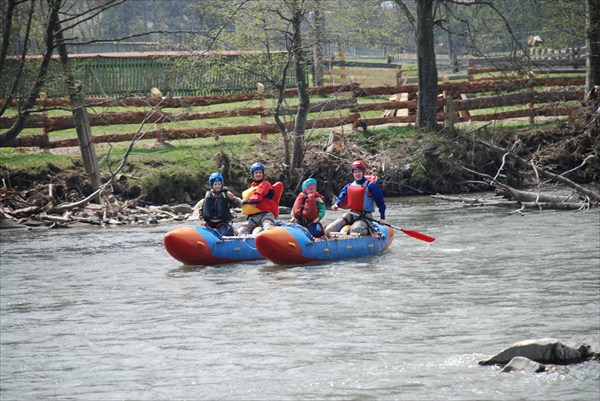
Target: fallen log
{"x": 476, "y": 202}
{"x": 555, "y": 177}
{"x": 479, "y": 202}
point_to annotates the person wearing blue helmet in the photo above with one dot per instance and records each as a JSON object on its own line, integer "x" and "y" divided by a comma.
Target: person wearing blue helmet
{"x": 309, "y": 208}
{"x": 216, "y": 206}
{"x": 259, "y": 202}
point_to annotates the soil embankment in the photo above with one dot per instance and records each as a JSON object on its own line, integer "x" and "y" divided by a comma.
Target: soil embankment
{"x": 436, "y": 164}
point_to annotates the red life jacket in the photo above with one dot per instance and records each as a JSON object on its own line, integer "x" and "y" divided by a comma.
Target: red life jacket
{"x": 360, "y": 198}
{"x": 305, "y": 206}
{"x": 270, "y": 203}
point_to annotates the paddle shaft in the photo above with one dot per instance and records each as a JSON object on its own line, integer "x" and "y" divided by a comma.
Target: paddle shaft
{"x": 410, "y": 233}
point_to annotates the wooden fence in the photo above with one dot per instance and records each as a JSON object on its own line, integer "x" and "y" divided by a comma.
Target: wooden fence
{"x": 375, "y": 74}
{"x": 537, "y": 61}
{"x": 498, "y": 67}
{"x": 458, "y": 102}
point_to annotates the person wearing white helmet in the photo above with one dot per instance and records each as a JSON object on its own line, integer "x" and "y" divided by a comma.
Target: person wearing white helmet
{"x": 216, "y": 205}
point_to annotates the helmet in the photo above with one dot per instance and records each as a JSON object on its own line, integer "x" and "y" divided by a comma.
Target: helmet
{"x": 358, "y": 165}
{"x": 308, "y": 182}
{"x": 257, "y": 166}
{"x": 215, "y": 177}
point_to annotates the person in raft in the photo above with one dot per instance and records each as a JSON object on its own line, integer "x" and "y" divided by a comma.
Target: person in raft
{"x": 361, "y": 196}
{"x": 309, "y": 208}
{"x": 259, "y": 202}
{"x": 216, "y": 206}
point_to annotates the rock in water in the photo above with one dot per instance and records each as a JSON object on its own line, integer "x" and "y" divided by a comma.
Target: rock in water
{"x": 544, "y": 350}
{"x": 522, "y": 364}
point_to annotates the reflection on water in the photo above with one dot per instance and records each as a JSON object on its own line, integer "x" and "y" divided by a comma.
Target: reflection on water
{"x": 107, "y": 314}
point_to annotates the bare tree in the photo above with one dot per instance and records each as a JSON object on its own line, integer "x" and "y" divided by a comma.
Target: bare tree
{"x": 58, "y": 21}
{"x": 25, "y": 105}
{"x": 277, "y": 30}
{"x": 427, "y": 69}
{"x": 297, "y": 51}
{"x": 593, "y": 44}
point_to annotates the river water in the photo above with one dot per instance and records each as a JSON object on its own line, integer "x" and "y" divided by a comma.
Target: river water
{"x": 107, "y": 314}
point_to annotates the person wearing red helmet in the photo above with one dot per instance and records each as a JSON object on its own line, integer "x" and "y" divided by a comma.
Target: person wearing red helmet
{"x": 215, "y": 207}
{"x": 361, "y": 196}
{"x": 259, "y": 202}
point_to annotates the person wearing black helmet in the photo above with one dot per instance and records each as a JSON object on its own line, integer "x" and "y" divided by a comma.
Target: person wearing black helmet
{"x": 216, "y": 206}
{"x": 361, "y": 196}
{"x": 259, "y": 202}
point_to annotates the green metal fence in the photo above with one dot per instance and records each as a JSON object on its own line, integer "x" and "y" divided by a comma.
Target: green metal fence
{"x": 130, "y": 75}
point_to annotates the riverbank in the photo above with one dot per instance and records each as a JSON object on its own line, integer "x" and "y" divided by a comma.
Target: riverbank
{"x": 407, "y": 161}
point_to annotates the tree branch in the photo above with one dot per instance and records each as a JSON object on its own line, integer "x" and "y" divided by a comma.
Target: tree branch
{"x": 559, "y": 178}
{"x": 19, "y": 123}
{"x": 409, "y": 15}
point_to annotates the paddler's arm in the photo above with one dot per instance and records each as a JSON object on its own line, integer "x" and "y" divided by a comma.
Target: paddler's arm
{"x": 322, "y": 208}
{"x": 341, "y": 198}
{"x": 261, "y": 191}
{"x": 234, "y": 200}
{"x": 378, "y": 195}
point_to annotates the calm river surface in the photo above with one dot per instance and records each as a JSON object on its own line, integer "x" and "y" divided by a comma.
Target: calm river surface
{"x": 107, "y": 314}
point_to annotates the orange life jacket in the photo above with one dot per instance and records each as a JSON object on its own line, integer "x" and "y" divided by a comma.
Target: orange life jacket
{"x": 269, "y": 203}
{"x": 305, "y": 206}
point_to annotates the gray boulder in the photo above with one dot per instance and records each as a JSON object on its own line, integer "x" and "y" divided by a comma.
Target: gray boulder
{"x": 586, "y": 344}
{"x": 544, "y": 350}
{"x": 522, "y": 364}
{"x": 182, "y": 209}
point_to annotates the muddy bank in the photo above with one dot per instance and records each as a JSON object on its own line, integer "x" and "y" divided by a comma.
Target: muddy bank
{"x": 432, "y": 164}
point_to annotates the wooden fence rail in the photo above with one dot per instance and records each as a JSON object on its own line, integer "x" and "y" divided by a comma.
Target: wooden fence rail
{"x": 537, "y": 61}
{"x": 458, "y": 101}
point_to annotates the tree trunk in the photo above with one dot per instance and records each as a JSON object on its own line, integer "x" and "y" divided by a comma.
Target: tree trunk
{"x": 593, "y": 44}
{"x": 451, "y": 52}
{"x": 303, "y": 98}
{"x": 80, "y": 116}
{"x": 25, "y": 107}
{"x": 319, "y": 40}
{"x": 428, "y": 87}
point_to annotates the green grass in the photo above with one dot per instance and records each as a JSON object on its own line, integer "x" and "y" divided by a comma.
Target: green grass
{"x": 38, "y": 161}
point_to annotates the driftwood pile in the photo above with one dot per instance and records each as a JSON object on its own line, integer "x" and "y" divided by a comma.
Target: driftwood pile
{"x": 31, "y": 209}
{"x": 579, "y": 198}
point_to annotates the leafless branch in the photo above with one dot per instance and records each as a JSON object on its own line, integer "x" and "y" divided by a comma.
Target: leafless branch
{"x": 580, "y": 166}
{"x": 93, "y": 12}
{"x": 409, "y": 15}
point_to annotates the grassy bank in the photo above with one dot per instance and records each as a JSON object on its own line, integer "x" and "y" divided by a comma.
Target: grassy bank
{"x": 408, "y": 160}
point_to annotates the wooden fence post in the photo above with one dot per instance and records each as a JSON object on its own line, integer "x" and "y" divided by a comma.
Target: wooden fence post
{"x": 531, "y": 105}
{"x": 157, "y": 94}
{"x": 470, "y": 64}
{"x": 261, "y": 104}
{"x": 399, "y": 74}
{"x": 342, "y": 58}
{"x": 450, "y": 114}
{"x": 44, "y": 132}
